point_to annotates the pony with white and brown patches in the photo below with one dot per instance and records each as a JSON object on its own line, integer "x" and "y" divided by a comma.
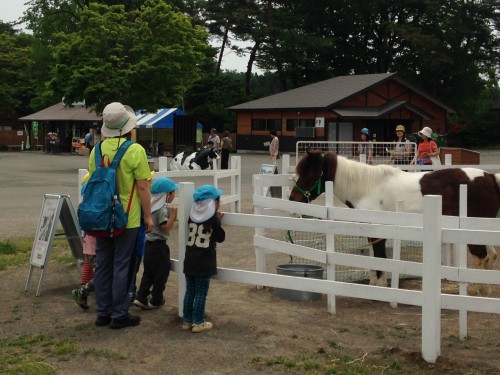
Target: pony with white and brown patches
{"x": 380, "y": 187}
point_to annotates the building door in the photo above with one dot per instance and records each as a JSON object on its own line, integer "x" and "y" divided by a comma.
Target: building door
{"x": 331, "y": 130}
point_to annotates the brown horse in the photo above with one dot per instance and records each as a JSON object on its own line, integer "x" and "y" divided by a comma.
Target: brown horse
{"x": 380, "y": 187}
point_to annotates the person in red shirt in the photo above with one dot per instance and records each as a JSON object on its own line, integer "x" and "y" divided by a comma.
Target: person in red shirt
{"x": 426, "y": 148}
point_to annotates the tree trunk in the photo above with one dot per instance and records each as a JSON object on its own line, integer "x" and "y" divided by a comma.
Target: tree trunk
{"x": 221, "y": 54}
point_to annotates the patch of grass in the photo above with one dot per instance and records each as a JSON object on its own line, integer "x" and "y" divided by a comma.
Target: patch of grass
{"x": 33, "y": 354}
{"x": 16, "y": 252}
{"x": 104, "y": 353}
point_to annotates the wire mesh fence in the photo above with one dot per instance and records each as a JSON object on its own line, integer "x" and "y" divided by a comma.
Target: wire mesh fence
{"x": 410, "y": 251}
{"x": 375, "y": 153}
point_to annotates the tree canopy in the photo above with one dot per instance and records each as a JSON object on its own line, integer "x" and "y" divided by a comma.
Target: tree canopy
{"x": 154, "y": 53}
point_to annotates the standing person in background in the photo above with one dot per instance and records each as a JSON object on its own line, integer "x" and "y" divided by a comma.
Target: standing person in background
{"x": 88, "y": 140}
{"x": 214, "y": 138}
{"x": 114, "y": 255}
{"x": 426, "y": 148}
{"x": 226, "y": 144}
{"x": 365, "y": 149}
{"x": 402, "y": 152}
{"x": 200, "y": 263}
{"x": 274, "y": 146}
{"x": 157, "y": 252}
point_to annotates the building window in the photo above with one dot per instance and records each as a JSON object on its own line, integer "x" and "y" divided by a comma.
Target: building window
{"x": 291, "y": 124}
{"x": 258, "y": 124}
{"x": 266, "y": 124}
{"x": 307, "y": 123}
{"x": 273, "y": 125}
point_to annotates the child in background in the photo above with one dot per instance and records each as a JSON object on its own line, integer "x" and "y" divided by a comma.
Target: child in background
{"x": 200, "y": 262}
{"x": 157, "y": 253}
{"x": 81, "y": 294}
{"x": 139, "y": 251}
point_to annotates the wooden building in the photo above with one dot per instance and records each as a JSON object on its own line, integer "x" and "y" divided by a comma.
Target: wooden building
{"x": 336, "y": 110}
{"x": 69, "y": 123}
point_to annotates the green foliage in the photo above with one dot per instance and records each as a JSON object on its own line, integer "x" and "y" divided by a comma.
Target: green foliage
{"x": 209, "y": 97}
{"x": 14, "y": 60}
{"x": 145, "y": 58}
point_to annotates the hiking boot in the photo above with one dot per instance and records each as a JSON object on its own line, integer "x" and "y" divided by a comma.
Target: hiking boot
{"x": 205, "y": 326}
{"x": 80, "y": 300}
{"x": 102, "y": 321}
{"x": 128, "y": 321}
{"x": 151, "y": 306}
{"x": 187, "y": 326}
{"x": 139, "y": 304}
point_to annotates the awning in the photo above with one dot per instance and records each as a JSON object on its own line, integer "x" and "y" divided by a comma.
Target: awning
{"x": 163, "y": 119}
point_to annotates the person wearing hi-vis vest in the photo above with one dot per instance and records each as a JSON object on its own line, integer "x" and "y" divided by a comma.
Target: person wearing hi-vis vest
{"x": 112, "y": 276}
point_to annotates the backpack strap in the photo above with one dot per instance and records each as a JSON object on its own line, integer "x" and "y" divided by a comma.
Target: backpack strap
{"x": 114, "y": 164}
{"x": 119, "y": 154}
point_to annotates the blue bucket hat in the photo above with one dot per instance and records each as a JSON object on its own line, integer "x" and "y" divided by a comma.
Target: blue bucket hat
{"x": 365, "y": 131}
{"x": 163, "y": 185}
{"x": 206, "y": 192}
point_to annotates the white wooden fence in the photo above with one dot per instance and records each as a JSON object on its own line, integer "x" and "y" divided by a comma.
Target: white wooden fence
{"x": 231, "y": 197}
{"x": 431, "y": 228}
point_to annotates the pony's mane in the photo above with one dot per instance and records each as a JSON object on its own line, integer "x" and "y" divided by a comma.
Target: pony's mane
{"x": 366, "y": 176}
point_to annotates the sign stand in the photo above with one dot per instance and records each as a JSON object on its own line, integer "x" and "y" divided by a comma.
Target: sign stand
{"x": 55, "y": 208}
{"x": 274, "y": 190}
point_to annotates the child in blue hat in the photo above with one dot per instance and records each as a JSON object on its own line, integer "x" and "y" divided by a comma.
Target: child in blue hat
{"x": 157, "y": 253}
{"x": 200, "y": 262}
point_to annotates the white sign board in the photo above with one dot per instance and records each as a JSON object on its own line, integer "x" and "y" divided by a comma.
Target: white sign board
{"x": 55, "y": 209}
{"x": 319, "y": 122}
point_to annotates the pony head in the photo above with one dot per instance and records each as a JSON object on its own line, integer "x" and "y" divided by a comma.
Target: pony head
{"x": 310, "y": 182}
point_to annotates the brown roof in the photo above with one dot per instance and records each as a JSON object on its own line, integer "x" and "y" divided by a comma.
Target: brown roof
{"x": 61, "y": 112}
{"x": 326, "y": 94}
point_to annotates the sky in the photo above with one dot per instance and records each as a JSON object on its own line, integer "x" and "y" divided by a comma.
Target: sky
{"x": 13, "y": 9}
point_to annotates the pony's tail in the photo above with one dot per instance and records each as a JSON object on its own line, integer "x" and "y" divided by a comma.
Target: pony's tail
{"x": 497, "y": 179}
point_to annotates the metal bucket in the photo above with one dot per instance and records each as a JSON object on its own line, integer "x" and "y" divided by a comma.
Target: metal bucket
{"x": 299, "y": 270}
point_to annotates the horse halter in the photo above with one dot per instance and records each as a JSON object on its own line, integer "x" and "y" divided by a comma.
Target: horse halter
{"x": 317, "y": 185}
{"x": 307, "y": 194}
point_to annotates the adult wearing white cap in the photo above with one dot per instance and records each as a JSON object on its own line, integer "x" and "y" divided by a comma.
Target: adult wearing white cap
{"x": 426, "y": 149}
{"x": 114, "y": 255}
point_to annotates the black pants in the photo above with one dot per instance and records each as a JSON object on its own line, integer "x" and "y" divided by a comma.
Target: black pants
{"x": 156, "y": 271}
{"x": 224, "y": 158}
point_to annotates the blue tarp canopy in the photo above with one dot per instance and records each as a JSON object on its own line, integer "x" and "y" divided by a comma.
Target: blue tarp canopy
{"x": 162, "y": 119}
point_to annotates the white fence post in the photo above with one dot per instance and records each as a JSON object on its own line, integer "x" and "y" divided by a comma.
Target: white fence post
{"x": 431, "y": 279}
{"x": 162, "y": 164}
{"x": 285, "y": 165}
{"x": 461, "y": 263}
{"x": 396, "y": 255}
{"x": 330, "y": 248}
{"x": 235, "y": 164}
{"x": 186, "y": 190}
{"x": 260, "y": 254}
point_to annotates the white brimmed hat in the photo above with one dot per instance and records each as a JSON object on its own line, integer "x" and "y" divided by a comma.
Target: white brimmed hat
{"x": 117, "y": 120}
{"x": 426, "y": 131}
{"x": 203, "y": 207}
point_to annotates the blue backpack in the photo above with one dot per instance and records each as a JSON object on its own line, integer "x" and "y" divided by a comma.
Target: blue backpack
{"x": 101, "y": 212}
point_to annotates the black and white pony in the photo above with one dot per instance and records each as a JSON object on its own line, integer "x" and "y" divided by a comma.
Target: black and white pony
{"x": 380, "y": 187}
{"x": 198, "y": 160}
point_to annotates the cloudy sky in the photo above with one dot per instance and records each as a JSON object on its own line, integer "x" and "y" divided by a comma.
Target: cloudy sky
{"x": 13, "y": 9}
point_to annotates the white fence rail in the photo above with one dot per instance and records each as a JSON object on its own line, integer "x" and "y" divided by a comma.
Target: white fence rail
{"x": 431, "y": 228}
{"x": 231, "y": 197}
